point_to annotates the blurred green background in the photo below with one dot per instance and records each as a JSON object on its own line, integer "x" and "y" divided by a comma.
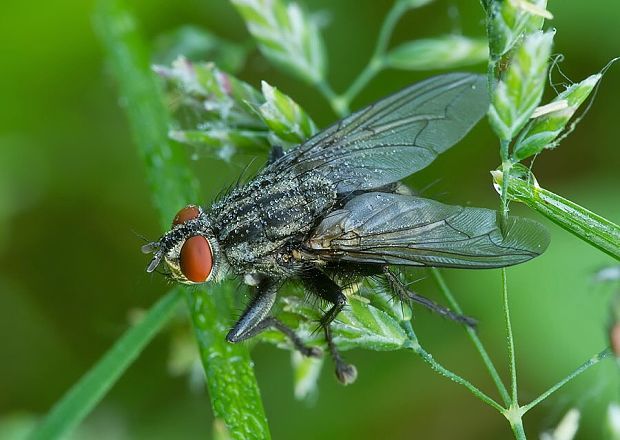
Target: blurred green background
{"x": 73, "y": 203}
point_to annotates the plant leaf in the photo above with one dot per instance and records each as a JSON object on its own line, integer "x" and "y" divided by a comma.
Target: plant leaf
{"x": 306, "y": 372}
{"x": 613, "y": 420}
{"x": 508, "y": 20}
{"x": 541, "y": 132}
{"x": 287, "y": 36}
{"x": 68, "y": 412}
{"x": 373, "y": 319}
{"x": 217, "y": 111}
{"x": 212, "y": 92}
{"x": 219, "y": 136}
{"x": 519, "y": 92}
{"x": 363, "y": 325}
{"x": 567, "y": 427}
{"x": 443, "y": 52}
{"x": 287, "y": 121}
{"x": 229, "y": 373}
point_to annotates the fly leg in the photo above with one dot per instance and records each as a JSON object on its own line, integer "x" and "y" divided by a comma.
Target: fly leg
{"x": 320, "y": 284}
{"x": 255, "y": 319}
{"x": 405, "y": 294}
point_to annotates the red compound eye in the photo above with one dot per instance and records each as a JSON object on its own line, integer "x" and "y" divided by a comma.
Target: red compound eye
{"x": 196, "y": 259}
{"x": 190, "y": 212}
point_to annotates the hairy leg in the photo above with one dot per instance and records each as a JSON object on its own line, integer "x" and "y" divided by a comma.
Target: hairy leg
{"x": 408, "y": 295}
{"x": 255, "y": 319}
{"x": 323, "y": 286}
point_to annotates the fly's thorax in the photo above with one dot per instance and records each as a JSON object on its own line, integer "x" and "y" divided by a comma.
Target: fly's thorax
{"x": 256, "y": 223}
{"x": 189, "y": 249}
{"x": 269, "y": 198}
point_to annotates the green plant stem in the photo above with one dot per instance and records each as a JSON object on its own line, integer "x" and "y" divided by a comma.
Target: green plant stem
{"x": 228, "y": 367}
{"x": 436, "y": 366}
{"x": 517, "y": 429}
{"x": 376, "y": 62}
{"x": 585, "y": 224}
{"x": 443, "y": 286}
{"x": 491, "y": 77}
{"x": 232, "y": 385}
{"x": 341, "y": 103}
{"x": 428, "y": 358}
{"x": 514, "y": 414}
{"x": 372, "y": 68}
{"x": 510, "y": 339}
{"x": 506, "y": 167}
{"x": 338, "y": 104}
{"x": 583, "y": 367}
{"x": 387, "y": 28}
{"x": 85, "y": 394}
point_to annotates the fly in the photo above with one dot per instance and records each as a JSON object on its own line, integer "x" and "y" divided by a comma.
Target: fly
{"x": 334, "y": 207}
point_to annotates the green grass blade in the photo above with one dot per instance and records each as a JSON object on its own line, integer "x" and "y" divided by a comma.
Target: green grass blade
{"x": 172, "y": 184}
{"x": 91, "y": 388}
{"x": 228, "y": 368}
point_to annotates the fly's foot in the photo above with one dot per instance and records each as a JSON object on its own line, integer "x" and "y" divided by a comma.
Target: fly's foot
{"x": 345, "y": 373}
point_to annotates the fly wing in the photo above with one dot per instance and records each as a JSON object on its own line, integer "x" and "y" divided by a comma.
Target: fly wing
{"x": 394, "y": 137}
{"x": 381, "y": 228}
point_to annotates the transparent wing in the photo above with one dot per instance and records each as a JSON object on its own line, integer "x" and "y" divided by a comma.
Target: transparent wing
{"x": 394, "y": 137}
{"x": 385, "y": 228}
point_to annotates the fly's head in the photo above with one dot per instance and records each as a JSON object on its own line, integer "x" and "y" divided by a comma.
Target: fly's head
{"x": 189, "y": 249}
